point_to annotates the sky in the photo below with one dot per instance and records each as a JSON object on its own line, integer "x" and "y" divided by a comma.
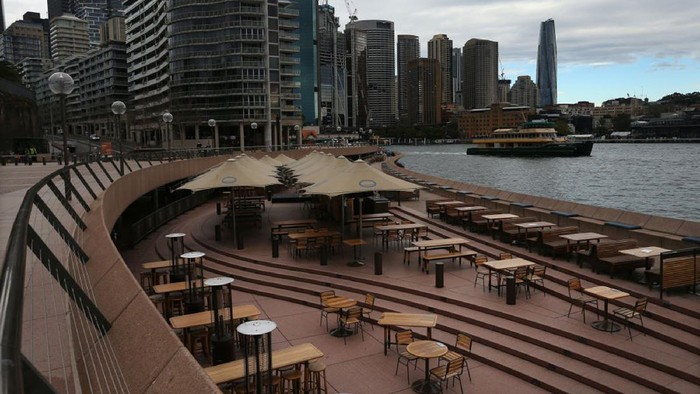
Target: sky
{"x": 606, "y": 49}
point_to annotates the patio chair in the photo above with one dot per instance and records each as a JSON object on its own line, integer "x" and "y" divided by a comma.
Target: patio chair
{"x": 505, "y": 256}
{"x": 325, "y": 311}
{"x": 481, "y": 272}
{"x": 368, "y": 308}
{"x": 350, "y": 320}
{"x": 536, "y": 275}
{"x": 403, "y": 338}
{"x": 422, "y": 233}
{"x": 520, "y": 275}
{"x": 640, "y": 306}
{"x": 452, "y": 370}
{"x": 576, "y": 295}
{"x": 463, "y": 342}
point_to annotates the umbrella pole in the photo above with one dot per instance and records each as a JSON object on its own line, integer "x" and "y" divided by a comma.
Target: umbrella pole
{"x": 342, "y": 217}
{"x": 357, "y": 262}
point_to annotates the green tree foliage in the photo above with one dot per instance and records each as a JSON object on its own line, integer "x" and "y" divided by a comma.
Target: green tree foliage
{"x": 621, "y": 122}
{"x": 9, "y": 72}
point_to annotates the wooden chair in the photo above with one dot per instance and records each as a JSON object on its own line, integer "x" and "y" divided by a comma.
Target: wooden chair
{"x": 505, "y": 256}
{"x": 325, "y": 311}
{"x": 536, "y": 276}
{"x": 422, "y": 233}
{"x": 464, "y": 343}
{"x": 452, "y": 370}
{"x": 300, "y": 246}
{"x": 481, "y": 272}
{"x": 576, "y": 295}
{"x": 403, "y": 338}
{"x": 350, "y": 320}
{"x": 335, "y": 244}
{"x": 368, "y": 308}
{"x": 640, "y": 306}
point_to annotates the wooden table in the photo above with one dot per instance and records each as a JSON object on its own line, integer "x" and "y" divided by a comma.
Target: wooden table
{"x": 339, "y": 302}
{"x": 399, "y": 227}
{"x": 581, "y": 237}
{"x": 646, "y": 252}
{"x": 190, "y": 320}
{"x": 355, "y": 242}
{"x": 281, "y": 358}
{"x": 501, "y": 266}
{"x": 389, "y": 319}
{"x": 443, "y": 243}
{"x": 426, "y": 350}
{"x": 277, "y": 227}
{"x": 173, "y": 287}
{"x": 463, "y": 210}
{"x": 492, "y": 219}
{"x": 154, "y": 266}
{"x": 368, "y": 219}
{"x": 606, "y": 294}
{"x": 530, "y": 225}
{"x": 312, "y": 234}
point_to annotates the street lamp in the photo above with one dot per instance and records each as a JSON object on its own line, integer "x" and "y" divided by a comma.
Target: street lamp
{"x": 253, "y": 126}
{"x": 62, "y": 84}
{"x": 168, "y": 118}
{"x": 119, "y": 108}
{"x": 212, "y": 124}
{"x": 297, "y": 129}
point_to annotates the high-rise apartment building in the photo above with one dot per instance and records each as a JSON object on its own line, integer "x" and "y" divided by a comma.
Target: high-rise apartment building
{"x": 25, "y": 38}
{"x": 331, "y": 52}
{"x": 424, "y": 91}
{"x": 356, "y": 77}
{"x": 238, "y": 68}
{"x": 524, "y": 92}
{"x": 480, "y": 73}
{"x": 547, "y": 64}
{"x": 94, "y": 12}
{"x": 440, "y": 48}
{"x": 457, "y": 76}
{"x": 379, "y": 70}
{"x": 407, "y": 49}
{"x": 307, "y": 72}
{"x": 69, "y": 37}
{"x": 503, "y": 89}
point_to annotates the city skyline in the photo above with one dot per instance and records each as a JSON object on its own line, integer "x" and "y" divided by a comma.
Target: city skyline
{"x": 604, "y": 50}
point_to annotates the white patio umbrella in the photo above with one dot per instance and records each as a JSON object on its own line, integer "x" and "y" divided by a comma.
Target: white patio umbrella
{"x": 358, "y": 177}
{"x": 230, "y": 174}
{"x": 270, "y": 161}
{"x": 284, "y": 159}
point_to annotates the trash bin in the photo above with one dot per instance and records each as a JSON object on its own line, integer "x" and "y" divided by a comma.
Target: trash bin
{"x": 510, "y": 290}
{"x": 440, "y": 275}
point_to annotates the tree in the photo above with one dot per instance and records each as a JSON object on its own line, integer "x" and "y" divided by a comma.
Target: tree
{"x": 621, "y": 122}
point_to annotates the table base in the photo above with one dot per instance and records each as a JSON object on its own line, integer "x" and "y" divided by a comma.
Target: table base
{"x": 426, "y": 387}
{"x": 606, "y": 325}
{"x": 341, "y": 332}
{"x": 356, "y": 263}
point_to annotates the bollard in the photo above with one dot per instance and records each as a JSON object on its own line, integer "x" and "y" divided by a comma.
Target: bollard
{"x": 276, "y": 246}
{"x": 16, "y": 161}
{"x": 510, "y": 290}
{"x": 43, "y": 160}
{"x": 439, "y": 275}
{"x": 378, "y": 263}
{"x": 218, "y": 208}
{"x": 217, "y": 232}
{"x": 239, "y": 239}
{"x": 323, "y": 254}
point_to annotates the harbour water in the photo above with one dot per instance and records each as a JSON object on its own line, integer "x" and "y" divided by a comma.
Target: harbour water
{"x": 656, "y": 179}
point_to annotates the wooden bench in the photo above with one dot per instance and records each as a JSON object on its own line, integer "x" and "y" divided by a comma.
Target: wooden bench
{"x": 550, "y": 241}
{"x": 607, "y": 255}
{"x": 674, "y": 272}
{"x": 427, "y": 258}
{"x": 432, "y": 208}
{"x": 508, "y": 231}
{"x": 476, "y": 221}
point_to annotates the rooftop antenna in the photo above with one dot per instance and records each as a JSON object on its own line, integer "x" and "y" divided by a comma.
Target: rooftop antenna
{"x": 352, "y": 10}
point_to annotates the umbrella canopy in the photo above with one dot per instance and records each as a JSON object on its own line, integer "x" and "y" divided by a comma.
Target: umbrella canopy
{"x": 270, "y": 161}
{"x": 231, "y": 173}
{"x": 359, "y": 177}
{"x": 284, "y": 159}
{"x": 321, "y": 162}
{"x": 256, "y": 164}
{"x": 335, "y": 166}
{"x": 311, "y": 157}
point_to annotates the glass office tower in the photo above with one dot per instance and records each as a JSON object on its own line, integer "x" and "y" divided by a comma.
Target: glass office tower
{"x": 547, "y": 64}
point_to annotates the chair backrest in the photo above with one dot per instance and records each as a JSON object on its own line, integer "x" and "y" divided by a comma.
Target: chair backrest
{"x": 422, "y": 232}
{"x": 404, "y": 337}
{"x": 520, "y": 272}
{"x": 353, "y": 312}
{"x": 324, "y": 295}
{"x": 574, "y": 286}
{"x": 505, "y": 256}
{"x": 463, "y": 342}
{"x": 640, "y": 306}
{"x": 369, "y": 301}
{"x": 480, "y": 260}
{"x": 454, "y": 367}
{"x": 539, "y": 270}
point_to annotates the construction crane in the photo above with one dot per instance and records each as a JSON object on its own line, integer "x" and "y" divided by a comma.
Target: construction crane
{"x": 352, "y": 10}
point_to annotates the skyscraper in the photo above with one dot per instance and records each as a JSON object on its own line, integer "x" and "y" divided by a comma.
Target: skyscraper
{"x": 524, "y": 92}
{"x": 379, "y": 66}
{"x": 547, "y": 64}
{"x": 480, "y": 81}
{"x": 457, "y": 76}
{"x": 440, "y": 48}
{"x": 407, "y": 49}
{"x": 331, "y": 68}
{"x": 424, "y": 91}
{"x": 308, "y": 57}
{"x": 69, "y": 37}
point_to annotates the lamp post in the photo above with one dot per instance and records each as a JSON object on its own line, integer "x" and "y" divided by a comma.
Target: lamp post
{"x": 212, "y": 124}
{"x": 62, "y": 84}
{"x": 297, "y": 129}
{"x": 167, "y": 118}
{"x": 119, "y": 108}
{"x": 253, "y": 126}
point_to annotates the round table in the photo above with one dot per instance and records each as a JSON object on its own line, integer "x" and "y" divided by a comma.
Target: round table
{"x": 340, "y": 303}
{"x": 426, "y": 350}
